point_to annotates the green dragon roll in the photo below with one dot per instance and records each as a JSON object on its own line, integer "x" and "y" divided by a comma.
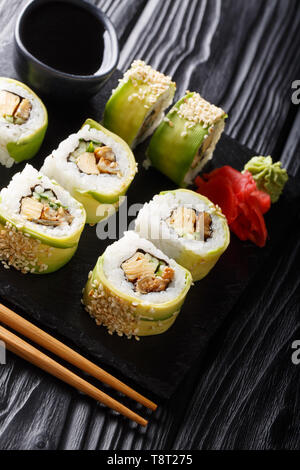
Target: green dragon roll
{"x": 40, "y": 223}
{"x": 269, "y": 176}
{"x": 187, "y": 227}
{"x": 186, "y": 139}
{"x": 137, "y": 106}
{"x": 23, "y": 122}
{"x": 135, "y": 289}
{"x": 95, "y": 166}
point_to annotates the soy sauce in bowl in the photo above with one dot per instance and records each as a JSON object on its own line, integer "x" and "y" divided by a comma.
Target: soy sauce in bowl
{"x": 65, "y": 47}
{"x": 65, "y": 37}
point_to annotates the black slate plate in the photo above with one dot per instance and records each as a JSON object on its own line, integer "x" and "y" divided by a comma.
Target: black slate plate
{"x": 158, "y": 363}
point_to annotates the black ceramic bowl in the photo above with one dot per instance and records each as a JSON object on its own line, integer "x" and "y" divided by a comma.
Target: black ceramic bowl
{"x": 62, "y": 69}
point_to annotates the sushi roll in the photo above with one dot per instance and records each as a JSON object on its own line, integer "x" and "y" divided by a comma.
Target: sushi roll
{"x": 40, "y": 223}
{"x": 23, "y": 122}
{"x": 186, "y": 139}
{"x": 187, "y": 227}
{"x": 137, "y": 106}
{"x": 95, "y": 166}
{"x": 135, "y": 289}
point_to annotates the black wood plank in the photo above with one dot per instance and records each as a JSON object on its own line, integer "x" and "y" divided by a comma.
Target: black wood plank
{"x": 123, "y": 13}
{"x": 248, "y": 395}
{"x": 241, "y": 55}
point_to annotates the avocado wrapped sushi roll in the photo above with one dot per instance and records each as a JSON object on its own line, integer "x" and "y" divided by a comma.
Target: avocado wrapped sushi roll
{"x": 23, "y": 122}
{"x": 137, "y": 106}
{"x": 40, "y": 223}
{"x": 95, "y": 166}
{"x": 187, "y": 227}
{"x": 135, "y": 289}
{"x": 186, "y": 139}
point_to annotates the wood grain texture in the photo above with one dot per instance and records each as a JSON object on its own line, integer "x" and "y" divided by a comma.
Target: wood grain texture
{"x": 233, "y": 52}
{"x": 251, "y": 399}
{"x": 245, "y": 392}
{"x": 48, "y": 342}
{"x": 36, "y": 357}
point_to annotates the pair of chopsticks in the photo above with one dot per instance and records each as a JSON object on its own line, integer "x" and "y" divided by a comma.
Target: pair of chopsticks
{"x": 26, "y": 351}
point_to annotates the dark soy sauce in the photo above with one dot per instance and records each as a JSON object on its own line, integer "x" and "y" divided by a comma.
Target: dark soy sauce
{"x": 65, "y": 37}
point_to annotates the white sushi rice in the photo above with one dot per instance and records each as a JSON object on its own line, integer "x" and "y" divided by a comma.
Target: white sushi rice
{"x": 163, "y": 102}
{"x": 124, "y": 249}
{"x": 21, "y": 185}
{"x": 151, "y": 224}
{"x": 67, "y": 174}
{"x": 13, "y": 132}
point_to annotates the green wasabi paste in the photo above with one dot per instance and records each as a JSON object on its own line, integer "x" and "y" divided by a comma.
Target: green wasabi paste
{"x": 269, "y": 176}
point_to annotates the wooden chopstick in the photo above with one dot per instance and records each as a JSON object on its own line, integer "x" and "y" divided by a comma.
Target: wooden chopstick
{"x": 40, "y": 337}
{"x": 39, "y": 359}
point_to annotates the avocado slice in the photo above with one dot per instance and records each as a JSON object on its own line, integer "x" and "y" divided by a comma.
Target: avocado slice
{"x": 152, "y": 319}
{"x": 124, "y": 114}
{"x": 173, "y": 147}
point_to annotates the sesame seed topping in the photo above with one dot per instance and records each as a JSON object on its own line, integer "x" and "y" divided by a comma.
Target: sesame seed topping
{"x": 19, "y": 250}
{"x": 141, "y": 73}
{"x": 197, "y": 110}
{"x": 112, "y": 311}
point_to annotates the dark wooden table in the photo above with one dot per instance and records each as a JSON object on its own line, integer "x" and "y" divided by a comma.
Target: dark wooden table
{"x": 244, "y": 394}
